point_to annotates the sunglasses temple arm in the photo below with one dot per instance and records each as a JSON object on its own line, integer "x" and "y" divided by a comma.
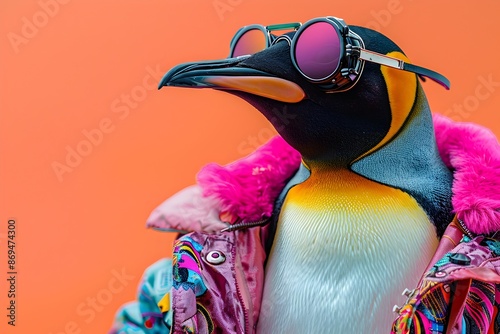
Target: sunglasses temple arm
{"x": 421, "y": 71}
{"x": 381, "y": 59}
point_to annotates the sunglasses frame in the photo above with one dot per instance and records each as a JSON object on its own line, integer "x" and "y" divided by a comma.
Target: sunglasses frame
{"x": 349, "y": 68}
{"x": 266, "y": 30}
{"x": 351, "y": 59}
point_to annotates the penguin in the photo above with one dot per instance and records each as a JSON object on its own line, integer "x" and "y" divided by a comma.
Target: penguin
{"x": 364, "y": 222}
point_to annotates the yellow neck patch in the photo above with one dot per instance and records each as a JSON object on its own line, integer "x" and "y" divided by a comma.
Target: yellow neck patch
{"x": 342, "y": 191}
{"x": 401, "y": 89}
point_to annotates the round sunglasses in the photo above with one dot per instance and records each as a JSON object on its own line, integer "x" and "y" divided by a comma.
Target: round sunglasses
{"x": 325, "y": 51}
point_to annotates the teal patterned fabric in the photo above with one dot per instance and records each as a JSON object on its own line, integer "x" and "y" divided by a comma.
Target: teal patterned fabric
{"x": 144, "y": 316}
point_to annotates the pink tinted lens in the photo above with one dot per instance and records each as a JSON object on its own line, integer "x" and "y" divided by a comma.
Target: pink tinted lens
{"x": 317, "y": 50}
{"x": 249, "y": 43}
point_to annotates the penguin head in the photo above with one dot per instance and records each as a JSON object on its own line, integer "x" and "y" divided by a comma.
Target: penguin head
{"x": 334, "y": 128}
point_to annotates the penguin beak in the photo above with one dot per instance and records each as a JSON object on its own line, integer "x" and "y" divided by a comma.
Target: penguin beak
{"x": 228, "y": 75}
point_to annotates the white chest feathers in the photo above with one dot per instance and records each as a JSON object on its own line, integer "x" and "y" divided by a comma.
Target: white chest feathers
{"x": 344, "y": 251}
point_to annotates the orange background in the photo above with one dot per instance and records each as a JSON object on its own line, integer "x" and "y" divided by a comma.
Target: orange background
{"x": 70, "y": 74}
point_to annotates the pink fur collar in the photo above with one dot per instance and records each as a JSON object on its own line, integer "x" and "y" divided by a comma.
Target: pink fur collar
{"x": 474, "y": 153}
{"x": 246, "y": 189}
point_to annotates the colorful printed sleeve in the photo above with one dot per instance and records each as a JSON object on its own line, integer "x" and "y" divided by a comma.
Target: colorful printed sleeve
{"x": 459, "y": 294}
{"x": 150, "y": 313}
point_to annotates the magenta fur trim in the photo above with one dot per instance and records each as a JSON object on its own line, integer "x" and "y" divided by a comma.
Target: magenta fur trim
{"x": 474, "y": 153}
{"x": 248, "y": 187}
